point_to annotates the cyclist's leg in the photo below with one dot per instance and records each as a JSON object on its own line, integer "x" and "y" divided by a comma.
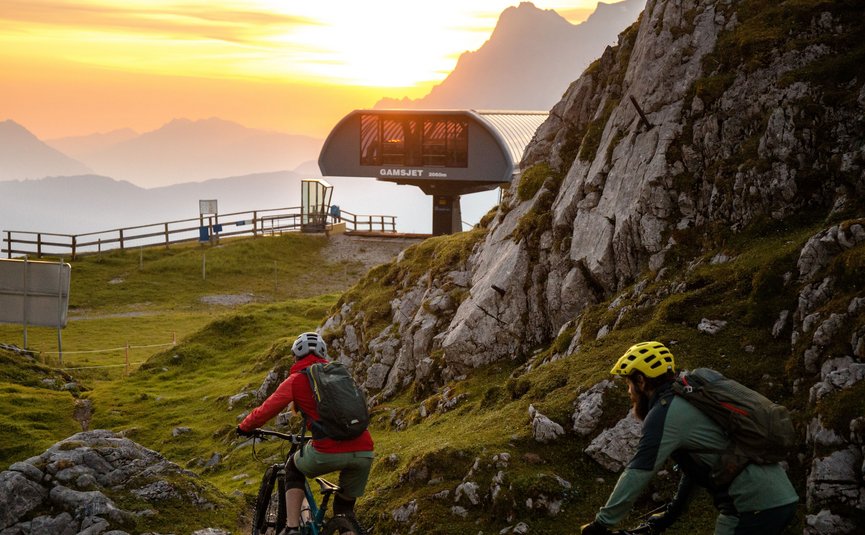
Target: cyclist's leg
{"x": 353, "y": 468}
{"x": 354, "y": 474}
{"x": 767, "y": 522}
{"x": 294, "y": 483}
{"x": 352, "y": 480}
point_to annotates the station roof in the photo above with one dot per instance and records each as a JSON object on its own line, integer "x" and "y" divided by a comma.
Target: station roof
{"x": 515, "y": 127}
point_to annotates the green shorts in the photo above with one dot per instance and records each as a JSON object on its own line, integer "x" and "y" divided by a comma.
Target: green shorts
{"x": 353, "y": 467}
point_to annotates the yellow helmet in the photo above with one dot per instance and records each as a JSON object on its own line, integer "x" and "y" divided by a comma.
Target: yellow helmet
{"x": 651, "y": 358}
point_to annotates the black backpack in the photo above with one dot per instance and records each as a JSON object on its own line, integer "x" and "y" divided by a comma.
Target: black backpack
{"x": 341, "y": 405}
{"x": 760, "y": 431}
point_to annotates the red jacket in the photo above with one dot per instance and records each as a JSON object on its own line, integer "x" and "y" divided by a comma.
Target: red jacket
{"x": 296, "y": 388}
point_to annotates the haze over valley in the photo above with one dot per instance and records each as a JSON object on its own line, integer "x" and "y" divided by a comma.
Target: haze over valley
{"x": 124, "y": 177}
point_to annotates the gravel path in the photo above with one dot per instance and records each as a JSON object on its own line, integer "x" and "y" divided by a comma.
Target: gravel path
{"x": 369, "y": 251}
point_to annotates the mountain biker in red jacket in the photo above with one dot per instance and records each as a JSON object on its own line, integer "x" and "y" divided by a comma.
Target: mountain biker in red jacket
{"x": 352, "y": 458}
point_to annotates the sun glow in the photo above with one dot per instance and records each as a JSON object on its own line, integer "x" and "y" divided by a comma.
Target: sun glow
{"x": 70, "y": 63}
{"x": 382, "y": 43}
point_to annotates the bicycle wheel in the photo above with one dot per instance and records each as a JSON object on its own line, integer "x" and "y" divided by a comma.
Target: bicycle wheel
{"x": 341, "y": 524}
{"x": 269, "y": 518}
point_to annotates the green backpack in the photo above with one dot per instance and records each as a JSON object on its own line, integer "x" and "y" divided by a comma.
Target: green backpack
{"x": 760, "y": 431}
{"x": 341, "y": 405}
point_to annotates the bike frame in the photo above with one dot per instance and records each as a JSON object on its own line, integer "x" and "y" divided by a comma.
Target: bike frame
{"x": 315, "y": 522}
{"x": 316, "y": 513}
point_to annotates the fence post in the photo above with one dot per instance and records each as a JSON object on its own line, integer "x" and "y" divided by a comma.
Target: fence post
{"x": 74, "y": 242}
{"x": 255, "y": 223}
{"x": 166, "y": 235}
{"x": 39, "y": 245}
{"x": 121, "y": 238}
{"x": 8, "y": 244}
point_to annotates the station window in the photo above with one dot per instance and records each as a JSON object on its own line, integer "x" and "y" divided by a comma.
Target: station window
{"x": 413, "y": 141}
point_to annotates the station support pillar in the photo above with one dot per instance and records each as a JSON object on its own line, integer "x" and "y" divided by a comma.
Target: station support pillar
{"x": 447, "y": 218}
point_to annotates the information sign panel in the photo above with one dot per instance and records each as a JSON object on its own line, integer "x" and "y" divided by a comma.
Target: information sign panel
{"x": 34, "y": 293}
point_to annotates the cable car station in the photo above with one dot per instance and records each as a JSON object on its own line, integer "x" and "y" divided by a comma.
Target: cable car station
{"x": 446, "y": 153}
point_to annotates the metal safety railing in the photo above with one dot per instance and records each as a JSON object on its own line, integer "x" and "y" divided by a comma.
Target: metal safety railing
{"x": 203, "y": 229}
{"x": 368, "y": 223}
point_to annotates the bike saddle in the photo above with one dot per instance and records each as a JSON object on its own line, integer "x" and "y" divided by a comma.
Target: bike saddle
{"x": 326, "y": 486}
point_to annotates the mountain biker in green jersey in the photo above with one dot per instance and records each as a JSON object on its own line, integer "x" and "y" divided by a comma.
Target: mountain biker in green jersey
{"x": 759, "y": 500}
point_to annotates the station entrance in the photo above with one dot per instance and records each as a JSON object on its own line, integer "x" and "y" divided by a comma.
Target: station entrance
{"x": 315, "y": 197}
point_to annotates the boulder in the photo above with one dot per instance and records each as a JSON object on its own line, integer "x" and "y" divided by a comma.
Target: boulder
{"x": 543, "y": 429}
{"x": 589, "y": 408}
{"x": 70, "y": 483}
{"x": 615, "y": 447}
{"x": 18, "y": 496}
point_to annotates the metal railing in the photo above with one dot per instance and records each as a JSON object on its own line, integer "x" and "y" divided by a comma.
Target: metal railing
{"x": 368, "y": 223}
{"x": 203, "y": 228}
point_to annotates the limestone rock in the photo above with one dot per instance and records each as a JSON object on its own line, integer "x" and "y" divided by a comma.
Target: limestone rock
{"x": 707, "y": 326}
{"x": 543, "y": 429}
{"x": 404, "y": 513}
{"x": 821, "y": 247}
{"x": 69, "y": 485}
{"x": 615, "y": 447}
{"x": 821, "y": 436}
{"x": 469, "y": 490}
{"x": 19, "y": 496}
{"x": 827, "y": 523}
{"x": 589, "y": 408}
{"x": 834, "y": 479}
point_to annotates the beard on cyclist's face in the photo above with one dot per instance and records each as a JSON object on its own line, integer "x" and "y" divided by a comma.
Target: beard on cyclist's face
{"x": 639, "y": 399}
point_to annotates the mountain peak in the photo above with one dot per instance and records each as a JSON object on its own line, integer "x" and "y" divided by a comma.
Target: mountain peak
{"x": 526, "y": 18}
{"x": 529, "y": 60}
{"x": 9, "y": 126}
{"x": 23, "y": 155}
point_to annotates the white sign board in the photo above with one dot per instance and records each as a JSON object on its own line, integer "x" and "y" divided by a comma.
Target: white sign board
{"x": 34, "y": 293}
{"x": 207, "y": 207}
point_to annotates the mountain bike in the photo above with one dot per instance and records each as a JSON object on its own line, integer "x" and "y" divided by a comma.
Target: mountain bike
{"x": 642, "y": 529}
{"x": 270, "y": 508}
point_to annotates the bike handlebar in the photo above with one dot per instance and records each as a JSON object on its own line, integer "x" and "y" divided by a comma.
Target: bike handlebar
{"x": 290, "y": 437}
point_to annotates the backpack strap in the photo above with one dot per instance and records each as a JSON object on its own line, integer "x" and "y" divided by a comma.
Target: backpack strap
{"x": 314, "y": 427}
{"x": 730, "y": 464}
{"x": 303, "y": 415}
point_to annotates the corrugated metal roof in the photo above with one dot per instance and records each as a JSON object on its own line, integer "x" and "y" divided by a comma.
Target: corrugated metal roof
{"x": 515, "y": 127}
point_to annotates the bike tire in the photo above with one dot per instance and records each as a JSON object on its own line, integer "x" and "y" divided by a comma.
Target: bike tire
{"x": 269, "y": 517}
{"x": 340, "y": 525}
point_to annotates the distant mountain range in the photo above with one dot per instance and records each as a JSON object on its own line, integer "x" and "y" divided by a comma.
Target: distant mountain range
{"x": 529, "y": 60}
{"x": 180, "y": 151}
{"x": 190, "y": 151}
{"x": 23, "y": 156}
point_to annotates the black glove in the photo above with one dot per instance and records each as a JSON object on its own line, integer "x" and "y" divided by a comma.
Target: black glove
{"x": 243, "y": 433}
{"x": 594, "y": 528}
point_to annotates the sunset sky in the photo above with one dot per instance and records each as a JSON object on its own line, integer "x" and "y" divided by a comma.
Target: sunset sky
{"x": 75, "y": 67}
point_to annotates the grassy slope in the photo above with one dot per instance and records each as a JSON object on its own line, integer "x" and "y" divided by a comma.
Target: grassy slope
{"x": 150, "y": 297}
{"x": 189, "y": 386}
{"x": 32, "y": 413}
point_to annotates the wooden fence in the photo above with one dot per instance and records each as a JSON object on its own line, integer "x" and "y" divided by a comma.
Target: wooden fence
{"x": 203, "y": 229}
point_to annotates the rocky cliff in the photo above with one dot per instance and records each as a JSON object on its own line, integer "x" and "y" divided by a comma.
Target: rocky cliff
{"x": 712, "y": 122}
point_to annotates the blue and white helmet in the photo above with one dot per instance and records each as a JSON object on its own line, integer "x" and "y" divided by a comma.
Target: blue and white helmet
{"x": 309, "y": 343}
